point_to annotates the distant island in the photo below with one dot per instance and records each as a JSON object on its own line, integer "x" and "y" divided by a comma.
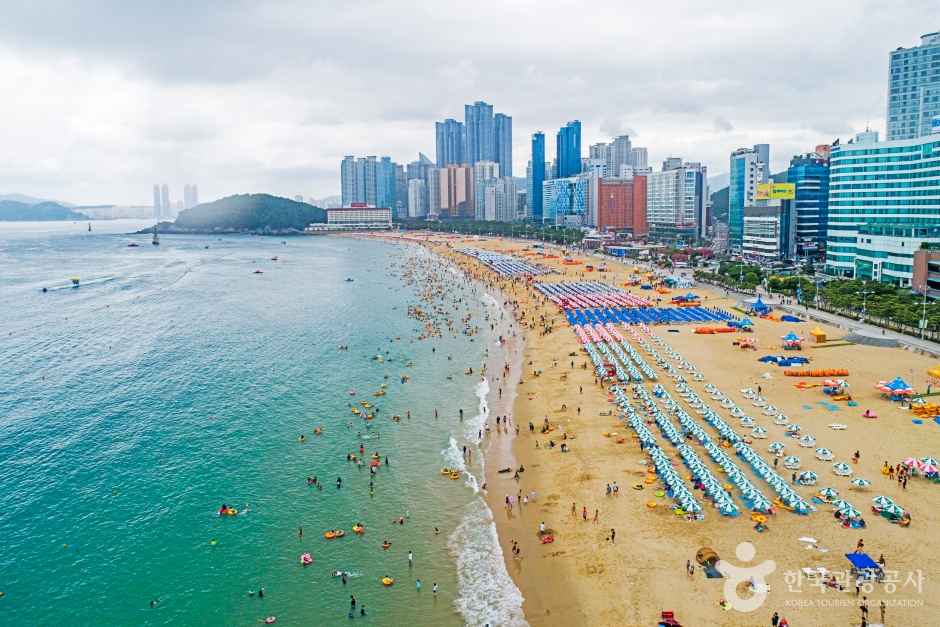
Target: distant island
{"x": 15, "y": 211}
{"x": 261, "y": 214}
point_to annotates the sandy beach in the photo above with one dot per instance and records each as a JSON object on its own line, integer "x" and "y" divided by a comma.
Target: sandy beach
{"x": 584, "y": 576}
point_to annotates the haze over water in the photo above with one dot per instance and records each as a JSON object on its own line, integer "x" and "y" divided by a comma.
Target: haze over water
{"x": 174, "y": 380}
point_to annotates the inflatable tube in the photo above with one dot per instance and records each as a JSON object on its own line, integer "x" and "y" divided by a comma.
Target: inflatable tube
{"x": 386, "y": 545}
{"x": 547, "y": 539}
{"x": 387, "y": 581}
{"x": 651, "y": 504}
{"x": 329, "y": 535}
{"x": 358, "y": 529}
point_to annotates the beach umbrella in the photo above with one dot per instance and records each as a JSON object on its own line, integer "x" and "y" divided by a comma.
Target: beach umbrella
{"x": 759, "y": 432}
{"x": 850, "y": 512}
{"x": 929, "y": 461}
{"x": 776, "y": 447}
{"x": 881, "y": 502}
{"x": 841, "y": 504}
{"x": 807, "y": 441}
{"x": 793, "y": 428}
{"x": 841, "y": 468}
{"x": 829, "y": 493}
{"x": 861, "y": 483}
{"x": 824, "y": 454}
{"x": 807, "y": 478}
{"x": 910, "y": 462}
{"x": 791, "y": 461}
{"x": 928, "y": 469}
{"x": 892, "y": 509}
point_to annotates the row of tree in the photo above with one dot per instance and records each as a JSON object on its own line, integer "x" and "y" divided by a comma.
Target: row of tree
{"x": 527, "y": 230}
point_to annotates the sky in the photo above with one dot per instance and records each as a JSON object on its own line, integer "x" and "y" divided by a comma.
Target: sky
{"x": 101, "y": 100}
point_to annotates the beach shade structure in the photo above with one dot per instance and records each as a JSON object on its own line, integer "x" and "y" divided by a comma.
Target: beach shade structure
{"x": 776, "y": 447}
{"x": 895, "y": 389}
{"x": 828, "y": 493}
{"x": 807, "y": 441}
{"x": 842, "y": 469}
{"x": 807, "y": 477}
{"x": 793, "y": 429}
{"x": 929, "y": 469}
{"x": 759, "y": 432}
{"x": 892, "y": 510}
{"x": 864, "y": 566}
{"x": 911, "y": 462}
{"x": 929, "y": 461}
{"x": 880, "y": 502}
{"x": 791, "y": 462}
{"x": 840, "y": 504}
{"x": 824, "y": 454}
{"x": 850, "y": 512}
{"x": 861, "y": 483}
{"x": 819, "y": 335}
{"x": 706, "y": 556}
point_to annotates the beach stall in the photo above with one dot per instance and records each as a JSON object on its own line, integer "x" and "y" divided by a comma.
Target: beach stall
{"x": 819, "y": 336}
{"x": 864, "y": 566}
{"x": 896, "y": 389}
{"x": 792, "y": 342}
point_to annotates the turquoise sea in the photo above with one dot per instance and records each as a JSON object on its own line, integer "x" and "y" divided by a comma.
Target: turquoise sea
{"x": 175, "y": 380}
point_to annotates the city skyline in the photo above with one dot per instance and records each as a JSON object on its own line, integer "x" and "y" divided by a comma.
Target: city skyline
{"x": 220, "y": 113}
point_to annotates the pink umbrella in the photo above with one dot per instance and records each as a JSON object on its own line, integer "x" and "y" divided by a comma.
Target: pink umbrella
{"x": 928, "y": 469}
{"x": 910, "y": 461}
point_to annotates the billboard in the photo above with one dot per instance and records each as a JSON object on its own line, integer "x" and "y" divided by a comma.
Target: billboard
{"x": 769, "y": 191}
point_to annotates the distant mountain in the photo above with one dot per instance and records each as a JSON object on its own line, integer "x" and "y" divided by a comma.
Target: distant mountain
{"x": 11, "y": 210}
{"x": 720, "y": 197}
{"x": 246, "y": 213}
{"x": 32, "y": 200}
{"x": 327, "y": 202}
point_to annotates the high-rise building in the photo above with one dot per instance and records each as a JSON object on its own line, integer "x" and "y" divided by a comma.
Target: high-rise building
{"x": 481, "y": 136}
{"x": 503, "y": 131}
{"x": 157, "y": 204}
{"x": 598, "y": 151}
{"x": 165, "y": 211}
{"x": 749, "y": 168}
{"x": 433, "y": 183}
{"x": 537, "y": 177}
{"x": 639, "y": 158}
{"x": 564, "y": 200}
{"x": 484, "y": 172}
{"x": 417, "y": 198}
{"x": 500, "y": 200}
{"x": 619, "y": 154}
{"x": 456, "y": 191}
{"x": 568, "y": 150}
{"x": 191, "y": 195}
{"x": 882, "y": 205}
{"x": 451, "y": 142}
{"x": 385, "y": 184}
{"x": 810, "y": 175}
{"x": 621, "y": 205}
{"x": 769, "y": 232}
{"x": 676, "y": 201}
{"x": 914, "y": 88}
{"x": 348, "y": 180}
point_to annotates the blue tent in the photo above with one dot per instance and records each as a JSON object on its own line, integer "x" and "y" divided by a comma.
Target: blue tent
{"x": 791, "y": 337}
{"x": 898, "y": 384}
{"x": 863, "y": 564}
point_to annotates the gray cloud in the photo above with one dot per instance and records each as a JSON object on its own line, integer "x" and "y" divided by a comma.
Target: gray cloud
{"x": 106, "y": 99}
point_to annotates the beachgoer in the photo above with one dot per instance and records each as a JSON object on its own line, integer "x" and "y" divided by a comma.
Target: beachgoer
{"x": 418, "y": 585}
{"x": 774, "y": 619}
{"x": 411, "y": 559}
{"x": 434, "y": 588}
{"x": 613, "y": 535}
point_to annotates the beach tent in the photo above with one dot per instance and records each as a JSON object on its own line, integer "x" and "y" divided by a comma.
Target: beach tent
{"x": 819, "y": 335}
{"x": 864, "y": 565}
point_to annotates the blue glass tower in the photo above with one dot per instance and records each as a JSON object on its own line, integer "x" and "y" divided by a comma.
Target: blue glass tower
{"x": 568, "y": 150}
{"x": 538, "y": 176}
{"x": 810, "y": 174}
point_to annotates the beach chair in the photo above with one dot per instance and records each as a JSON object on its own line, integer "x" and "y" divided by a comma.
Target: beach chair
{"x": 668, "y": 619}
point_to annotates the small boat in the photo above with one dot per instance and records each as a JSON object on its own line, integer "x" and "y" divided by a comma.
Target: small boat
{"x": 274, "y": 258}
{"x": 258, "y": 271}
{"x": 156, "y": 238}
{"x": 133, "y": 245}
{"x": 349, "y": 279}
{"x": 75, "y": 281}
{"x": 89, "y": 227}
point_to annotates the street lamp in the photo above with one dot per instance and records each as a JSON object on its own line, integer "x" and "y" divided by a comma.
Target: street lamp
{"x": 864, "y": 294}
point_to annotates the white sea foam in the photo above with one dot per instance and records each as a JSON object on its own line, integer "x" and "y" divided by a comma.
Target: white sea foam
{"x": 486, "y": 594}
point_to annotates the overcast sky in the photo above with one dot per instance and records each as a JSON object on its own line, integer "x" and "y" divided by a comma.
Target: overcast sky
{"x": 101, "y": 100}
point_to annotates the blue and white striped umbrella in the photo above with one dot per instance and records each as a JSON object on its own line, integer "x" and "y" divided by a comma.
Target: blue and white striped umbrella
{"x": 776, "y": 447}
{"x": 824, "y": 454}
{"x": 861, "y": 483}
{"x": 841, "y": 468}
{"x": 829, "y": 493}
{"x": 881, "y": 502}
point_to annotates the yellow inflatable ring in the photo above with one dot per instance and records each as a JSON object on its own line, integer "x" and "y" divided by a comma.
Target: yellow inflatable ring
{"x": 387, "y": 581}
{"x": 329, "y": 535}
{"x": 651, "y": 504}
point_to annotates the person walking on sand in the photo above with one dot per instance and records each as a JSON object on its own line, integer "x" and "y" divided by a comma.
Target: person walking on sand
{"x": 596, "y": 514}
{"x": 774, "y": 620}
{"x": 613, "y": 535}
{"x": 584, "y": 513}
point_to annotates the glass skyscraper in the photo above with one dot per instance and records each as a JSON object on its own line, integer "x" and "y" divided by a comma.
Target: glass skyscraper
{"x": 568, "y": 150}
{"x": 537, "y": 166}
{"x": 481, "y": 136}
{"x": 810, "y": 174}
{"x": 883, "y": 203}
{"x": 503, "y": 152}
{"x": 451, "y": 139}
{"x": 914, "y": 88}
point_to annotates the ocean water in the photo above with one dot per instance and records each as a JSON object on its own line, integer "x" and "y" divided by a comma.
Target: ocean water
{"x": 175, "y": 379}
